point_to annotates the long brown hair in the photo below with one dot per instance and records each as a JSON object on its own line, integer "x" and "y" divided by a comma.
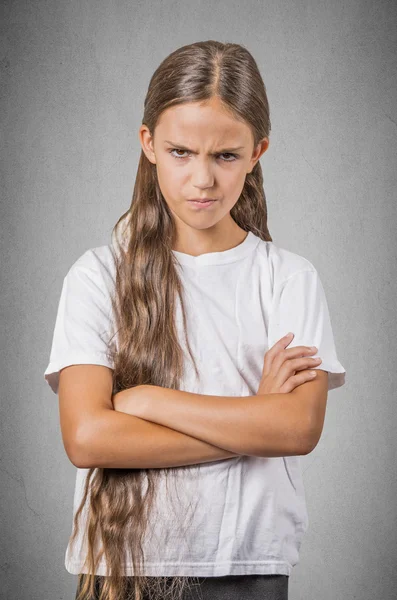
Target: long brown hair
{"x": 146, "y": 281}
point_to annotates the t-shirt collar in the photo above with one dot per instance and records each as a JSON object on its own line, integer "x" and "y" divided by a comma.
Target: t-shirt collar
{"x": 217, "y": 258}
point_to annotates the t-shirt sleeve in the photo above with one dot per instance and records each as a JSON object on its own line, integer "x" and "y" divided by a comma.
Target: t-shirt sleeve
{"x": 300, "y": 306}
{"x": 83, "y": 325}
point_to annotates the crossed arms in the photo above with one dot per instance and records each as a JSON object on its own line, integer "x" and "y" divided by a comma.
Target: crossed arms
{"x": 155, "y": 427}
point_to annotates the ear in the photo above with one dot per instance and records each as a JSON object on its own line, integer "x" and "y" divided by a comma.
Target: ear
{"x": 257, "y": 153}
{"x": 146, "y": 140}
{"x": 312, "y": 397}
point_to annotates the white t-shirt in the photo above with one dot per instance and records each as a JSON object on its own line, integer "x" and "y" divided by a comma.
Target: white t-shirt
{"x": 249, "y": 513}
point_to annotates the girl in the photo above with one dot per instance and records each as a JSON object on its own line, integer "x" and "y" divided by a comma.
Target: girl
{"x": 180, "y": 404}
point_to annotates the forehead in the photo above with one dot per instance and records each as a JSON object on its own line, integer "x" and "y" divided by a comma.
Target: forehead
{"x": 209, "y": 122}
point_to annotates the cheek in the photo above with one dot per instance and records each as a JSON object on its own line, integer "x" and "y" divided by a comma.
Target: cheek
{"x": 172, "y": 173}
{"x": 232, "y": 184}
{"x": 233, "y": 175}
{"x": 169, "y": 180}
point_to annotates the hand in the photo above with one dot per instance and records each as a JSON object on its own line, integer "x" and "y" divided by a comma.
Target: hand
{"x": 280, "y": 366}
{"x": 129, "y": 401}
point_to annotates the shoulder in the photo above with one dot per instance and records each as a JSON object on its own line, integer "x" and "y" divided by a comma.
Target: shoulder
{"x": 281, "y": 264}
{"x": 97, "y": 259}
{"x": 95, "y": 266}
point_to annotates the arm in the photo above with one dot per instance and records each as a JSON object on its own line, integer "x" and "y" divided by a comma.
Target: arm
{"x": 122, "y": 441}
{"x": 265, "y": 425}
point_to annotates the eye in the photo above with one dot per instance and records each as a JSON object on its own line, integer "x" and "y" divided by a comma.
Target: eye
{"x": 234, "y": 156}
{"x": 176, "y": 150}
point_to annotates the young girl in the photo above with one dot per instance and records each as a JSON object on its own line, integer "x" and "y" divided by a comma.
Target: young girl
{"x": 182, "y": 404}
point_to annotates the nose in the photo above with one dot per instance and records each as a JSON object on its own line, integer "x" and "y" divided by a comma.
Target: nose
{"x": 202, "y": 176}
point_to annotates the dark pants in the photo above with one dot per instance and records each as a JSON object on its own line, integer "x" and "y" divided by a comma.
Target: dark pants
{"x": 231, "y": 587}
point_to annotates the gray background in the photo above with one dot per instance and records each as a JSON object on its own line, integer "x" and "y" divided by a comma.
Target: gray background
{"x": 73, "y": 79}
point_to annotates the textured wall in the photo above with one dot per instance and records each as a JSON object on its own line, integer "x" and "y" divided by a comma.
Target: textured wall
{"x": 73, "y": 80}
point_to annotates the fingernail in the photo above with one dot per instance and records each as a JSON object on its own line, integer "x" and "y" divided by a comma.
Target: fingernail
{"x": 289, "y": 334}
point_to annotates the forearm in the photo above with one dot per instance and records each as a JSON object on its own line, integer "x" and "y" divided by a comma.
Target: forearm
{"x": 266, "y": 425}
{"x": 122, "y": 441}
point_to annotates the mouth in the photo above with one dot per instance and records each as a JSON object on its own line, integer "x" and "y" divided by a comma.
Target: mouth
{"x": 202, "y": 203}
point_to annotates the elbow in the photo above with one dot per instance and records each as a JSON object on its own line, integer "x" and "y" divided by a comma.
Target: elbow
{"x": 79, "y": 460}
{"x": 77, "y": 455}
{"x": 307, "y": 449}
{"x": 310, "y": 433}
{"x": 91, "y": 440}
{"x": 72, "y": 453}
{"x": 79, "y": 450}
{"x": 305, "y": 442}
{"x": 312, "y": 439}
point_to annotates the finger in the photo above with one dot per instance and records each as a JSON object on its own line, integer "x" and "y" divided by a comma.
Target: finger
{"x": 307, "y": 362}
{"x": 276, "y": 352}
{"x": 276, "y": 348}
{"x": 292, "y": 355}
{"x": 300, "y": 351}
{"x": 297, "y": 380}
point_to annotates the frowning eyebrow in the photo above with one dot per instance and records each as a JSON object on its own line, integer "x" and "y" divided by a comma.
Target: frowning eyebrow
{"x": 223, "y": 150}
